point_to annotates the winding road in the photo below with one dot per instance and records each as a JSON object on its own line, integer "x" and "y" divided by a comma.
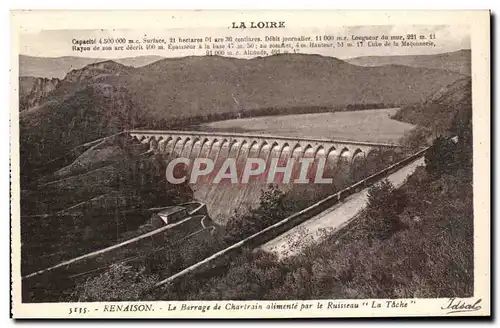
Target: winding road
{"x": 293, "y": 241}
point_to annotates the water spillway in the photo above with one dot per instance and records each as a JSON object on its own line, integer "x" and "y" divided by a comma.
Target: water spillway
{"x": 343, "y": 161}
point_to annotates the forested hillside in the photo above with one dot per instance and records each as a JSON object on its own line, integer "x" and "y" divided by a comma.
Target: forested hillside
{"x": 104, "y": 98}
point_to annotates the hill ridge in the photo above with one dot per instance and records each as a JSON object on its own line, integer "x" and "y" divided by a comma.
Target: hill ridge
{"x": 457, "y": 61}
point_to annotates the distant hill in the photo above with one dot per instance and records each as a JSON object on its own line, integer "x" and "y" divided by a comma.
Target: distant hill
{"x": 457, "y": 61}
{"x": 57, "y": 67}
{"x": 104, "y": 98}
{"x": 204, "y": 85}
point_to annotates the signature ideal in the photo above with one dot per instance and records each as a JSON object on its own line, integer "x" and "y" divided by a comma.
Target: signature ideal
{"x": 454, "y": 305}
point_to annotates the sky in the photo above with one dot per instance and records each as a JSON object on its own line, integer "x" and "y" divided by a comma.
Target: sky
{"x": 57, "y": 43}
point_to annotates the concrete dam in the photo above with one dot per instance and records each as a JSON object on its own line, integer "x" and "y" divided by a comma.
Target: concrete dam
{"x": 344, "y": 162}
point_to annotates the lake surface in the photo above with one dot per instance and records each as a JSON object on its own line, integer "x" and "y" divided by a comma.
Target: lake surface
{"x": 373, "y": 125}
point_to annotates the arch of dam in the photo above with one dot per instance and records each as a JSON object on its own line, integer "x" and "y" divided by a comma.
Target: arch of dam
{"x": 344, "y": 160}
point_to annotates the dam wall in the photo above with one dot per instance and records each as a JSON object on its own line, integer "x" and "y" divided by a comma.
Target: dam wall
{"x": 344, "y": 162}
{"x": 286, "y": 224}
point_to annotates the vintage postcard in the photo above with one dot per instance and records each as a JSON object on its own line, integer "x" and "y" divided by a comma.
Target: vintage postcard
{"x": 255, "y": 164}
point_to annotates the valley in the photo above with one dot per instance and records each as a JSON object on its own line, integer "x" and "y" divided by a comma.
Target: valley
{"x": 96, "y": 142}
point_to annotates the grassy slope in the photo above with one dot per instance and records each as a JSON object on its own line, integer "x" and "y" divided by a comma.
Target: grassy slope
{"x": 432, "y": 257}
{"x": 440, "y": 112}
{"x": 101, "y": 192}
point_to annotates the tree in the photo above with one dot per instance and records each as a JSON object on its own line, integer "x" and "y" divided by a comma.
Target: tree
{"x": 462, "y": 128}
{"x": 441, "y": 157}
{"x": 384, "y": 205}
{"x": 272, "y": 208}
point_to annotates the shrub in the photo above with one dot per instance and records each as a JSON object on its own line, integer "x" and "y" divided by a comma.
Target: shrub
{"x": 119, "y": 283}
{"x": 416, "y": 138}
{"x": 272, "y": 208}
{"x": 384, "y": 205}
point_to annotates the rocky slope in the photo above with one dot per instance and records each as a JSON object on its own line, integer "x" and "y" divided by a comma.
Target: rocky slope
{"x": 33, "y": 89}
{"x": 58, "y": 67}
